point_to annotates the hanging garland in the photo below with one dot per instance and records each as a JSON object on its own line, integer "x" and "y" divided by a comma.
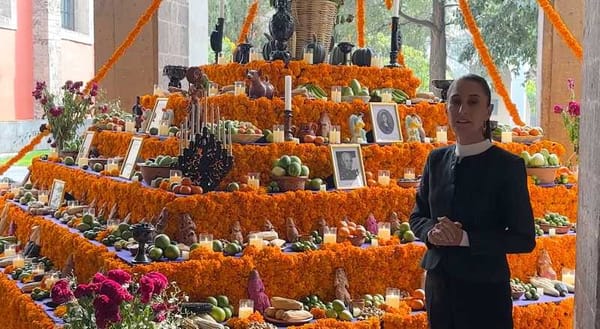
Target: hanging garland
{"x": 388, "y": 4}
{"x": 360, "y": 23}
{"x": 26, "y": 149}
{"x": 252, "y": 11}
{"x": 129, "y": 40}
{"x": 488, "y": 62}
{"x": 562, "y": 28}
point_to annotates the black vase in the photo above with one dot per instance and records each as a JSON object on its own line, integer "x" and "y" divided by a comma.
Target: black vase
{"x": 241, "y": 54}
{"x": 281, "y": 27}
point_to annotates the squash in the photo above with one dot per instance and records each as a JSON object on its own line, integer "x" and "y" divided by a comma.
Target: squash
{"x": 318, "y": 50}
{"x": 362, "y": 56}
{"x": 336, "y": 57}
{"x": 241, "y": 54}
{"x": 268, "y": 47}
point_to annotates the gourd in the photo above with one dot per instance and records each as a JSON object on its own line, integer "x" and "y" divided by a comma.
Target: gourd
{"x": 337, "y": 56}
{"x": 362, "y": 57}
{"x": 318, "y": 50}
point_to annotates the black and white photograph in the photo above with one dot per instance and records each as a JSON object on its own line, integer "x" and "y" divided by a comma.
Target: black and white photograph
{"x": 157, "y": 114}
{"x": 348, "y": 168}
{"x": 386, "y": 123}
{"x": 57, "y": 194}
{"x": 131, "y": 157}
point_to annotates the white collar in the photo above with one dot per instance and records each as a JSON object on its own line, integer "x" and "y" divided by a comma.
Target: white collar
{"x": 462, "y": 151}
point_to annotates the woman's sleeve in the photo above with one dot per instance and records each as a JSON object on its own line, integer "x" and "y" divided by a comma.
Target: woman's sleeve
{"x": 519, "y": 236}
{"x": 420, "y": 219}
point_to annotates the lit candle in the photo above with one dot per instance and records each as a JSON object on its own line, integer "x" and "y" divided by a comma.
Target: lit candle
{"x": 38, "y": 269}
{"x": 506, "y": 137}
{"x": 239, "y": 88}
{"x": 552, "y": 231}
{"x": 10, "y": 250}
{"x": 222, "y": 8}
{"x": 383, "y": 231}
{"x": 323, "y": 188}
{"x": 205, "y": 241}
{"x": 336, "y": 94}
{"x": 330, "y": 235}
{"x": 254, "y": 180}
{"x": 43, "y": 197}
{"x": 129, "y": 126}
{"x": 278, "y": 136}
{"x": 409, "y": 173}
{"x": 256, "y": 240}
{"x": 163, "y": 129}
{"x": 83, "y": 161}
{"x": 383, "y": 178}
{"x": 441, "y": 134}
{"x": 396, "y": 8}
{"x": 568, "y": 278}
{"x": 111, "y": 165}
{"x": 175, "y": 177}
{"x": 392, "y": 297}
{"x": 288, "y": 93}
{"x": 18, "y": 261}
{"x": 246, "y": 308}
{"x": 308, "y": 56}
{"x": 386, "y": 96}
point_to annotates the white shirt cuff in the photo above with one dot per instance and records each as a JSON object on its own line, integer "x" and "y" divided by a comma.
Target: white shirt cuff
{"x": 464, "y": 242}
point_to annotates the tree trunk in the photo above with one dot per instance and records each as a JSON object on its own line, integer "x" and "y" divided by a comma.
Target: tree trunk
{"x": 437, "y": 57}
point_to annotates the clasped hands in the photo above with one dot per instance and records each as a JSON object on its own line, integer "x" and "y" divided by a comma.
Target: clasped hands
{"x": 445, "y": 233}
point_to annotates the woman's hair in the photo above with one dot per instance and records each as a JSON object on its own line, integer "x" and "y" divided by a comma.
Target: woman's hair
{"x": 487, "y": 133}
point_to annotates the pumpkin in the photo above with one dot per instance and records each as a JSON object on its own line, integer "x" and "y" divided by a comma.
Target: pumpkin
{"x": 336, "y": 57}
{"x": 268, "y": 47}
{"x": 318, "y": 50}
{"x": 362, "y": 56}
{"x": 241, "y": 54}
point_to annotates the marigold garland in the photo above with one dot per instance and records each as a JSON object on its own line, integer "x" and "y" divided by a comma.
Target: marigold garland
{"x": 23, "y": 152}
{"x": 360, "y": 23}
{"x": 562, "y": 28}
{"x": 248, "y": 22}
{"x": 129, "y": 40}
{"x": 488, "y": 62}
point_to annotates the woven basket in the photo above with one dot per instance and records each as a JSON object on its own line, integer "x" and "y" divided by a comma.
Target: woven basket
{"x": 289, "y": 183}
{"x": 312, "y": 17}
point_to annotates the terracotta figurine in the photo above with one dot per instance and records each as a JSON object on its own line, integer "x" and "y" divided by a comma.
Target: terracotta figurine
{"x": 341, "y": 286}
{"x": 291, "y": 230}
{"x": 236, "y": 232}
{"x": 256, "y": 292}
{"x": 187, "y": 230}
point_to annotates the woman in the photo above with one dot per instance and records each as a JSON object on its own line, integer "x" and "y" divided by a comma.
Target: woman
{"x": 472, "y": 208}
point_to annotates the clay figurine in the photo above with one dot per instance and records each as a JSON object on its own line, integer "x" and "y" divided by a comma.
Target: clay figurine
{"x": 187, "y": 230}
{"x": 356, "y": 123}
{"x": 394, "y": 222}
{"x": 259, "y": 87}
{"x": 161, "y": 221}
{"x": 236, "y": 232}
{"x": 414, "y": 128}
{"x": 268, "y": 226}
{"x": 341, "y": 286}
{"x": 371, "y": 224}
{"x": 544, "y": 266}
{"x": 321, "y": 225}
{"x": 256, "y": 292}
{"x": 138, "y": 112}
{"x": 291, "y": 230}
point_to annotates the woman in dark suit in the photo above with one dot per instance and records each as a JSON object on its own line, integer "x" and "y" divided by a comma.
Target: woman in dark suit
{"x": 472, "y": 208}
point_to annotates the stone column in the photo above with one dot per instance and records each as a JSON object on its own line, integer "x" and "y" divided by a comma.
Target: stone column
{"x": 46, "y": 45}
{"x": 172, "y": 36}
{"x": 588, "y": 223}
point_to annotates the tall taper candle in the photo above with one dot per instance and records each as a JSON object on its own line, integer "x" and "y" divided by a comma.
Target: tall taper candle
{"x": 396, "y": 8}
{"x": 288, "y": 92}
{"x": 222, "y": 9}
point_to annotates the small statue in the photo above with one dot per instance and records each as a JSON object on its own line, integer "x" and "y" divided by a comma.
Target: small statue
{"x": 544, "y": 266}
{"x": 372, "y": 224}
{"x": 256, "y": 292}
{"x": 187, "y": 230}
{"x": 292, "y": 232}
{"x": 259, "y": 87}
{"x": 268, "y": 226}
{"x": 138, "y": 112}
{"x": 321, "y": 225}
{"x": 394, "y": 222}
{"x": 356, "y": 123}
{"x": 161, "y": 221}
{"x": 414, "y": 128}
{"x": 236, "y": 232}
{"x": 341, "y": 286}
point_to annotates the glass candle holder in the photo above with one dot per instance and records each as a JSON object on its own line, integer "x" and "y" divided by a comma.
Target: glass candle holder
{"x": 205, "y": 240}
{"x": 330, "y": 235}
{"x": 72, "y": 203}
{"x": 278, "y": 134}
{"x": 357, "y": 306}
{"x": 38, "y": 269}
{"x": 374, "y": 242}
{"x": 383, "y": 177}
{"x": 130, "y": 126}
{"x": 10, "y": 250}
{"x": 254, "y": 180}
{"x": 441, "y": 134}
{"x": 568, "y": 276}
{"x": 336, "y": 94}
{"x": 246, "y": 308}
{"x": 18, "y": 261}
{"x": 112, "y": 224}
{"x": 90, "y": 211}
{"x": 239, "y": 88}
{"x": 409, "y": 174}
{"x": 83, "y": 161}
{"x": 112, "y": 164}
{"x": 15, "y": 188}
{"x": 175, "y": 176}
{"x": 335, "y": 135}
{"x": 386, "y": 95}
{"x": 308, "y": 56}
{"x": 163, "y": 128}
{"x": 383, "y": 231}
{"x": 256, "y": 240}
{"x": 392, "y": 297}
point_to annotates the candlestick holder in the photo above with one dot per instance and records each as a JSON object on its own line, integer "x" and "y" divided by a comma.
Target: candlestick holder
{"x": 206, "y": 161}
{"x": 142, "y": 234}
{"x": 396, "y": 43}
{"x": 175, "y": 73}
{"x": 282, "y": 28}
{"x": 216, "y": 38}
{"x": 287, "y": 125}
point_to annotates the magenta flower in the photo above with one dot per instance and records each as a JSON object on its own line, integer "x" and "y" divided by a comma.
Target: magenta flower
{"x": 86, "y": 290}
{"x": 151, "y": 284}
{"x": 94, "y": 90}
{"x": 114, "y": 291}
{"x": 98, "y": 278}
{"x": 61, "y": 292}
{"x": 574, "y": 108}
{"x": 106, "y": 311}
{"x": 120, "y": 276}
{"x": 160, "y": 311}
{"x": 558, "y": 109}
{"x": 56, "y": 111}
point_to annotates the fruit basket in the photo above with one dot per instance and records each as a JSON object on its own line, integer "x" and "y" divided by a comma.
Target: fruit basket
{"x": 545, "y": 175}
{"x": 245, "y": 138}
{"x": 149, "y": 173}
{"x": 290, "y": 183}
{"x": 408, "y": 183}
{"x": 559, "y": 229}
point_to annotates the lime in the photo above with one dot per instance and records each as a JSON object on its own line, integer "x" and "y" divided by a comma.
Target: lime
{"x": 172, "y": 252}
{"x": 233, "y": 187}
{"x": 88, "y": 219}
{"x": 162, "y": 241}
{"x": 155, "y": 253}
{"x": 222, "y": 301}
{"x": 404, "y": 226}
{"x": 345, "y": 315}
{"x": 69, "y": 161}
{"x": 212, "y": 300}
{"x": 408, "y": 236}
{"x": 338, "y": 305}
{"x": 218, "y": 314}
{"x": 331, "y": 313}
{"x": 98, "y": 167}
{"x": 217, "y": 245}
{"x": 194, "y": 246}
{"x": 228, "y": 313}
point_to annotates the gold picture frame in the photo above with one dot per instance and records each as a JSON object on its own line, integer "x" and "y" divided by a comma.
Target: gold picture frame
{"x": 348, "y": 166}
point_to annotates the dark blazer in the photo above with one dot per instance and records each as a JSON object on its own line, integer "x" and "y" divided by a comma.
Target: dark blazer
{"x": 487, "y": 193}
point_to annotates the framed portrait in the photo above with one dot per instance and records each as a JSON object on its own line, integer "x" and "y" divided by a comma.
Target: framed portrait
{"x": 348, "y": 167}
{"x": 57, "y": 194}
{"x": 135, "y": 145}
{"x": 156, "y": 115}
{"x": 84, "y": 149}
{"x": 386, "y": 122}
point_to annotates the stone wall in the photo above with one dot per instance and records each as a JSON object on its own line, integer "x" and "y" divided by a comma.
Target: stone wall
{"x": 173, "y": 36}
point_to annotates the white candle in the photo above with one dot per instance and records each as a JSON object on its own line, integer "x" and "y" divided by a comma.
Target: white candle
{"x": 222, "y": 8}
{"x": 254, "y": 182}
{"x": 374, "y": 242}
{"x": 329, "y": 238}
{"x": 278, "y": 136}
{"x": 386, "y": 96}
{"x": 163, "y": 130}
{"x": 3, "y": 185}
{"x": 10, "y": 250}
{"x": 441, "y": 137}
{"x": 552, "y": 231}
{"x": 506, "y": 137}
{"x": 129, "y": 126}
{"x": 383, "y": 231}
{"x": 18, "y": 261}
{"x": 336, "y": 94}
{"x": 383, "y": 180}
{"x": 205, "y": 241}
{"x": 392, "y": 300}
{"x": 308, "y": 56}
{"x": 568, "y": 278}
{"x": 43, "y": 198}
{"x": 288, "y": 92}
{"x": 396, "y": 8}
{"x": 256, "y": 241}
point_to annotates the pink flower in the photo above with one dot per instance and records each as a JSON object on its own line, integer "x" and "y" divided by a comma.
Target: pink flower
{"x": 114, "y": 291}
{"x": 160, "y": 311}
{"x": 558, "y": 109}
{"x": 56, "y": 111}
{"x": 85, "y": 290}
{"x": 61, "y": 292}
{"x": 160, "y": 281}
{"x": 106, "y": 311}
{"x": 574, "y": 108}
{"x": 151, "y": 284}
{"x": 98, "y": 278}
{"x": 119, "y": 276}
